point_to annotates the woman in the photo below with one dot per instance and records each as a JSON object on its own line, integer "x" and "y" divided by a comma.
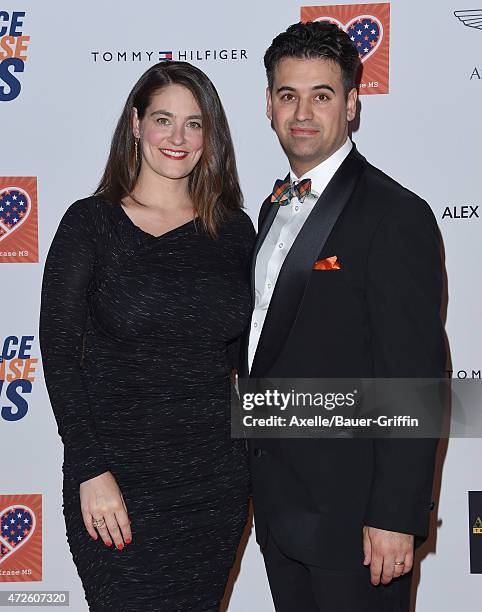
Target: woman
{"x": 145, "y": 294}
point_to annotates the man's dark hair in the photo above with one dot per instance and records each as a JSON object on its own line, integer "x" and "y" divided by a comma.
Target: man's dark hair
{"x": 315, "y": 40}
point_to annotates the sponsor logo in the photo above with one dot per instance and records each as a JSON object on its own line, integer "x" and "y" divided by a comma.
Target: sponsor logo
{"x": 20, "y": 538}
{"x": 464, "y": 374}
{"x": 183, "y": 55}
{"x": 18, "y": 219}
{"x": 368, "y": 26}
{"x": 465, "y": 211}
{"x": 17, "y": 375}
{"x": 477, "y": 528}
{"x": 13, "y": 54}
{"x": 472, "y": 18}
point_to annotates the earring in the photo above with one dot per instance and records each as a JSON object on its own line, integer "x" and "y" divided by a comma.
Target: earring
{"x": 136, "y": 151}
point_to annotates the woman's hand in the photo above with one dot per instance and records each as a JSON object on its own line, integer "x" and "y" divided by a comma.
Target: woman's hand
{"x": 100, "y": 498}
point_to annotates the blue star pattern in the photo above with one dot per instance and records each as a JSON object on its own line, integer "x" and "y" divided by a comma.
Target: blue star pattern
{"x": 365, "y": 35}
{"x": 15, "y": 525}
{"x": 14, "y": 206}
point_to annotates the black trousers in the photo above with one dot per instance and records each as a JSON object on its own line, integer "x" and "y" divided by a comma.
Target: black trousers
{"x": 297, "y": 587}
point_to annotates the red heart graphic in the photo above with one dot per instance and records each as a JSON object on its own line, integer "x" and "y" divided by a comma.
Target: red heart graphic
{"x": 17, "y": 525}
{"x": 15, "y": 207}
{"x": 366, "y": 32}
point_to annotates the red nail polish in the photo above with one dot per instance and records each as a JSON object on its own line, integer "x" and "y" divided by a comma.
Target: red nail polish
{"x": 128, "y": 541}
{"x": 120, "y": 546}
{"x": 108, "y": 543}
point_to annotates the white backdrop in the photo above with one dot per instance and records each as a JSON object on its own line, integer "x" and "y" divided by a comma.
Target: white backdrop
{"x": 426, "y": 133}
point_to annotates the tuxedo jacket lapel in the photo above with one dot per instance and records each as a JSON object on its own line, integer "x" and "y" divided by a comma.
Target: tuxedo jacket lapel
{"x": 297, "y": 267}
{"x": 265, "y": 223}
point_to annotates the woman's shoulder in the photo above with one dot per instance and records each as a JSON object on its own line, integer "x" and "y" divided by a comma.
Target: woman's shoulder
{"x": 239, "y": 222}
{"x": 87, "y": 219}
{"x": 93, "y": 204}
{"x": 91, "y": 211}
{"x": 238, "y": 235}
{"x": 80, "y": 209}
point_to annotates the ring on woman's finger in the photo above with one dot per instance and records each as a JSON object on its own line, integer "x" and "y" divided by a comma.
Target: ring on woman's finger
{"x": 98, "y": 522}
{"x": 399, "y": 562}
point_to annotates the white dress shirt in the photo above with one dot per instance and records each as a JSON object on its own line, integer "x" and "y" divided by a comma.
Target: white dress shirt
{"x": 280, "y": 238}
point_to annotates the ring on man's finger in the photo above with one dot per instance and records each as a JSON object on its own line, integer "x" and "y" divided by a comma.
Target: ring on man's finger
{"x": 98, "y": 522}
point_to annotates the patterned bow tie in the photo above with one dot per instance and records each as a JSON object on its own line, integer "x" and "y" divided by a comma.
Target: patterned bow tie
{"x": 283, "y": 191}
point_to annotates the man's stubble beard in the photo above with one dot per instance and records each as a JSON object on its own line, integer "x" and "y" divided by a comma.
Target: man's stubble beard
{"x": 298, "y": 156}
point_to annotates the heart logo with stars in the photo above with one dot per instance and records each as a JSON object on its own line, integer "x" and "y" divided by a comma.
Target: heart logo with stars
{"x": 15, "y": 207}
{"x": 365, "y": 31}
{"x": 17, "y": 525}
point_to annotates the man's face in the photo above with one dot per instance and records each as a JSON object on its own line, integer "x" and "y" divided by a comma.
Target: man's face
{"x": 308, "y": 110}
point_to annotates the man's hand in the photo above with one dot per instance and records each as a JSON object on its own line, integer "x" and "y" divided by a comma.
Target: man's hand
{"x": 383, "y": 549}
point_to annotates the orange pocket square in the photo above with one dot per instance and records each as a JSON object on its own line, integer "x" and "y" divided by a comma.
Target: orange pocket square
{"x": 329, "y": 263}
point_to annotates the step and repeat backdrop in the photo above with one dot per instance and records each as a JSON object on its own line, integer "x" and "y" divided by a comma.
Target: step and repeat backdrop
{"x": 65, "y": 71}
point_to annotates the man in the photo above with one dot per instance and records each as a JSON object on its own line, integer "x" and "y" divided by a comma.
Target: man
{"x": 348, "y": 283}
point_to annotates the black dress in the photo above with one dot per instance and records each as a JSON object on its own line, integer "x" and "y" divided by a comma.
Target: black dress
{"x": 138, "y": 335}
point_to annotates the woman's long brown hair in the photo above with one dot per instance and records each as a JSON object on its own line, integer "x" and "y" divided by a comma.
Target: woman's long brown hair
{"x": 213, "y": 184}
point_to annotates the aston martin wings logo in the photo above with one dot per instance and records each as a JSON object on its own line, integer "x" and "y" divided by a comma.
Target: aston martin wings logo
{"x": 470, "y": 18}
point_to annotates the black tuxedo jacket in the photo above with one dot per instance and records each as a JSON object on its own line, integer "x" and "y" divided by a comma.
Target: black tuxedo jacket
{"x": 377, "y": 316}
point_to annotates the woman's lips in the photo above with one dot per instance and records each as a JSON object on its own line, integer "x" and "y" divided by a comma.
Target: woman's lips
{"x": 173, "y": 154}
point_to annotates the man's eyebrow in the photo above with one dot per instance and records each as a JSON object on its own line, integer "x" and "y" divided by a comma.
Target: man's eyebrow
{"x": 285, "y": 88}
{"x": 325, "y": 86}
{"x": 314, "y": 88}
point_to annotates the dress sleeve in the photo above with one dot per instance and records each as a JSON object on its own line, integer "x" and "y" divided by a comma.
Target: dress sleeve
{"x": 248, "y": 237}
{"x": 68, "y": 272}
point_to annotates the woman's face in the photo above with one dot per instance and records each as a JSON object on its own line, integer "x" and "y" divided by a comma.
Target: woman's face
{"x": 171, "y": 133}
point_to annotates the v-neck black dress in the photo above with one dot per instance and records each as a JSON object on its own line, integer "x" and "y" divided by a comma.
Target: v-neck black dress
{"x": 137, "y": 337}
